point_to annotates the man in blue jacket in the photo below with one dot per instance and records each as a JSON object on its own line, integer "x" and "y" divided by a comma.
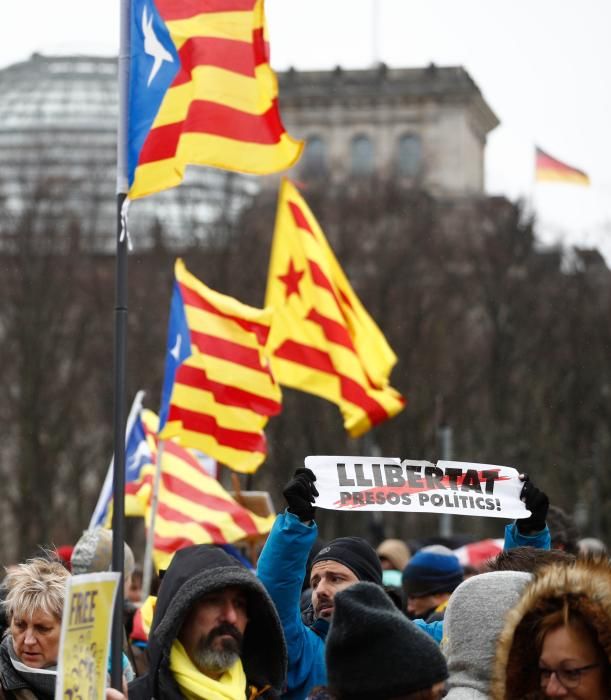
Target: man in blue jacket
{"x": 343, "y": 562}
{"x": 282, "y": 568}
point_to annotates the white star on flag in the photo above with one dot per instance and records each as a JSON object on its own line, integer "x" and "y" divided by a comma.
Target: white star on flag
{"x": 153, "y": 47}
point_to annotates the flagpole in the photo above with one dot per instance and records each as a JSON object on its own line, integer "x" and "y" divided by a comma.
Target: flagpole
{"x": 533, "y": 192}
{"x": 120, "y": 350}
{"x": 147, "y": 566}
{"x": 107, "y": 486}
{"x": 375, "y": 30}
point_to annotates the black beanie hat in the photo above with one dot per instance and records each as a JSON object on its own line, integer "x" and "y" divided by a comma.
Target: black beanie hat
{"x": 374, "y": 651}
{"x": 355, "y": 553}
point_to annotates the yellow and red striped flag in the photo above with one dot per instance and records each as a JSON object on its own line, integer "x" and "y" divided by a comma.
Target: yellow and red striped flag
{"x": 193, "y": 507}
{"x": 201, "y": 91}
{"x": 138, "y": 491}
{"x": 548, "y": 169}
{"x": 323, "y": 341}
{"x": 223, "y": 392}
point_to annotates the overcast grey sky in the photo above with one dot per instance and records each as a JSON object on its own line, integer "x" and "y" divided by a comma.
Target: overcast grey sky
{"x": 543, "y": 66}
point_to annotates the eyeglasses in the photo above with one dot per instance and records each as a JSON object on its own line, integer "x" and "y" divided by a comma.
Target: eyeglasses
{"x": 568, "y": 677}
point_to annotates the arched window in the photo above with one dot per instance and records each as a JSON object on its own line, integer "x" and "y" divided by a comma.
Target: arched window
{"x": 410, "y": 155}
{"x": 361, "y": 155}
{"x": 314, "y": 157}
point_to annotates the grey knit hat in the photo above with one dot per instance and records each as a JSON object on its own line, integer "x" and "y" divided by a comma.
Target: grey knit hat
{"x": 93, "y": 552}
{"x": 374, "y": 651}
{"x": 472, "y": 624}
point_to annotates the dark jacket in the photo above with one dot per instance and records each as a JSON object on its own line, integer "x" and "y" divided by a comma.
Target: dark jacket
{"x": 194, "y": 572}
{"x": 13, "y": 686}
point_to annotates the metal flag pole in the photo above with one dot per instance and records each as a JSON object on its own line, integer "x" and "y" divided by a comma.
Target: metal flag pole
{"x": 375, "y": 32}
{"x": 120, "y": 350}
{"x": 445, "y": 435}
{"x": 531, "y": 202}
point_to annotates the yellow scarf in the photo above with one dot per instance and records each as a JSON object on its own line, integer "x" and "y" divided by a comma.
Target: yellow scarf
{"x": 195, "y": 685}
{"x": 442, "y": 606}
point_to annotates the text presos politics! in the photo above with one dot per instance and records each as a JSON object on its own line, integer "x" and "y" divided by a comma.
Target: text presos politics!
{"x": 375, "y": 483}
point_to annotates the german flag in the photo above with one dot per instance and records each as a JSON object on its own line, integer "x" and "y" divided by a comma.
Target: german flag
{"x": 201, "y": 91}
{"x": 193, "y": 507}
{"x": 223, "y": 391}
{"x": 548, "y": 169}
{"x": 323, "y": 341}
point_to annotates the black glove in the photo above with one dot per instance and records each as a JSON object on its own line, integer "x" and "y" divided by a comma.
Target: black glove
{"x": 537, "y": 503}
{"x": 300, "y": 493}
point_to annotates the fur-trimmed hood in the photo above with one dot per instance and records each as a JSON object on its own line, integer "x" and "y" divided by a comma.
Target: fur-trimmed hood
{"x": 586, "y": 586}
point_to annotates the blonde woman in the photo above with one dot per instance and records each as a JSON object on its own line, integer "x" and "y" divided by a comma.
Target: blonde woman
{"x": 28, "y": 652}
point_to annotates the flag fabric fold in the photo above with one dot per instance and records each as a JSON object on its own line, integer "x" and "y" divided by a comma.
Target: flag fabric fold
{"x": 219, "y": 391}
{"x": 323, "y": 341}
{"x": 201, "y": 91}
{"x": 139, "y": 488}
{"x": 193, "y": 507}
{"x": 137, "y": 460}
{"x": 549, "y": 169}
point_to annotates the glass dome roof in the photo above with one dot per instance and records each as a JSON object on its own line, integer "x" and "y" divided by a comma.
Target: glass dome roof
{"x": 58, "y": 134}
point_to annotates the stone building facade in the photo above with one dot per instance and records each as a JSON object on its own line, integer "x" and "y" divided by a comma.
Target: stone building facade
{"x": 58, "y": 124}
{"x": 426, "y": 126}
{"x": 58, "y": 147}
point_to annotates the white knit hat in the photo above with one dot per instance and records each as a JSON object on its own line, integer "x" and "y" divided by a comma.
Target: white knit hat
{"x": 93, "y": 552}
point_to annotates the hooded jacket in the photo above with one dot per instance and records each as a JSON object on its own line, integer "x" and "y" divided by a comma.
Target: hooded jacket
{"x": 586, "y": 586}
{"x": 474, "y": 619}
{"x": 194, "y": 572}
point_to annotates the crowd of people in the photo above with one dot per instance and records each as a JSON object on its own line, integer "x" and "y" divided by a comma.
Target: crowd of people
{"x": 341, "y": 621}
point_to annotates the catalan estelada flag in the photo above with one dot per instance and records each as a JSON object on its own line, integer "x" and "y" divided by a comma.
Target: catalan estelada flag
{"x": 323, "y": 341}
{"x": 201, "y": 91}
{"x": 138, "y": 489}
{"x": 548, "y": 169}
{"x": 137, "y": 460}
{"x": 222, "y": 389}
{"x": 193, "y": 507}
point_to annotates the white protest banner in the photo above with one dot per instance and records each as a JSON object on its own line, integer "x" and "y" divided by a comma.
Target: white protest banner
{"x": 82, "y": 666}
{"x": 378, "y": 483}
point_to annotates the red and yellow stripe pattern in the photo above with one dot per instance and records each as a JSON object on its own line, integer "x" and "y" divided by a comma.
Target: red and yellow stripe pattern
{"x": 548, "y": 169}
{"x": 222, "y": 107}
{"x": 323, "y": 340}
{"x": 224, "y": 392}
{"x": 193, "y": 507}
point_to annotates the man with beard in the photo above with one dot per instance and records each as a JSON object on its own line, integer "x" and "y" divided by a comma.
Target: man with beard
{"x": 282, "y": 567}
{"x": 215, "y": 634}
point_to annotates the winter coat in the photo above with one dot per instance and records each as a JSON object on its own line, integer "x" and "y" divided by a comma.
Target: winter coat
{"x": 281, "y": 568}
{"x": 586, "y": 586}
{"x": 513, "y": 538}
{"x": 473, "y": 622}
{"x": 194, "y": 572}
{"x": 14, "y": 686}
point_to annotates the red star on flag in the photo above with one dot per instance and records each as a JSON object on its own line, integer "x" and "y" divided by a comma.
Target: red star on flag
{"x": 291, "y": 280}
